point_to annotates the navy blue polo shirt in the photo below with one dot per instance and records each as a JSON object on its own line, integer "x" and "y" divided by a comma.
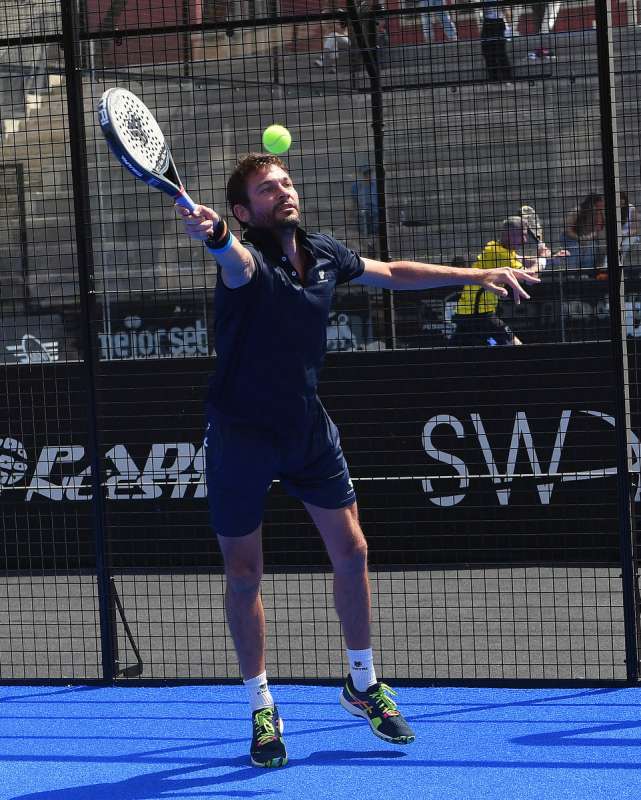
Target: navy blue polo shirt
{"x": 271, "y": 333}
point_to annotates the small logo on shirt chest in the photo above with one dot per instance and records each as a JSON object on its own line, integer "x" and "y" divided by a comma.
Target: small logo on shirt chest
{"x": 321, "y": 276}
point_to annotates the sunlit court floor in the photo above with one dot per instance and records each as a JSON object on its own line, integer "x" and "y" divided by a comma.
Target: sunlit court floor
{"x": 141, "y": 743}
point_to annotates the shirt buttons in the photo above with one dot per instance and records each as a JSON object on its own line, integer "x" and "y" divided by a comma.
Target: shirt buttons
{"x": 284, "y": 258}
{"x": 293, "y": 273}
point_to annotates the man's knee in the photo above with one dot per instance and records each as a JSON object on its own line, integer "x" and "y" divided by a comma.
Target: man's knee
{"x": 243, "y": 562}
{"x": 351, "y": 557}
{"x": 243, "y": 577}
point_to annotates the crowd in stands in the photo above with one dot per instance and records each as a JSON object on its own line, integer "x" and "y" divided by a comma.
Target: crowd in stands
{"x": 582, "y": 255}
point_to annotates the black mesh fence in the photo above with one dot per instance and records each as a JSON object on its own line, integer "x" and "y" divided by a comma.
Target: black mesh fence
{"x": 493, "y": 481}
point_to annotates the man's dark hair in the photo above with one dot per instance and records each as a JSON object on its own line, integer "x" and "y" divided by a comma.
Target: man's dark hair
{"x": 247, "y": 166}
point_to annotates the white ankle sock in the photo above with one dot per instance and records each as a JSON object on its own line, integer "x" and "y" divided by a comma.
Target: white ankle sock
{"x": 258, "y": 692}
{"x": 361, "y": 668}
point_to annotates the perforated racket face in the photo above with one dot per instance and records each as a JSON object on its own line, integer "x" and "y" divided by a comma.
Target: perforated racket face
{"x": 136, "y": 128}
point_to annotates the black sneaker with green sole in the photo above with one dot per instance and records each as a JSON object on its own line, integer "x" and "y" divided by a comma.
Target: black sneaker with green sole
{"x": 268, "y": 747}
{"x": 377, "y": 707}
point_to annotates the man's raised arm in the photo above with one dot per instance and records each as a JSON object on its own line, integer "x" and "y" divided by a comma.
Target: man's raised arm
{"x": 205, "y": 225}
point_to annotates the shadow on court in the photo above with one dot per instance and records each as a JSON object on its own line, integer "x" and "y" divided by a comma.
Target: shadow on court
{"x": 159, "y": 784}
{"x": 553, "y": 699}
{"x": 335, "y": 757}
{"x": 172, "y": 782}
{"x": 585, "y": 737}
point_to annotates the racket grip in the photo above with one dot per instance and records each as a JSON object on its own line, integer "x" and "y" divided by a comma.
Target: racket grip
{"x": 185, "y": 201}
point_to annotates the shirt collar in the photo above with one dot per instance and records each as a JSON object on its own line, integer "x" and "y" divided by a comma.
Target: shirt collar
{"x": 266, "y": 242}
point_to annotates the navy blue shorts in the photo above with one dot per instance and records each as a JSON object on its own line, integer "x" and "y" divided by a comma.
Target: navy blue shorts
{"x": 243, "y": 461}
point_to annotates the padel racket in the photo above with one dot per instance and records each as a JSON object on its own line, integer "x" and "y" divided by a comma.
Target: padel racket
{"x": 531, "y": 219}
{"x": 136, "y": 140}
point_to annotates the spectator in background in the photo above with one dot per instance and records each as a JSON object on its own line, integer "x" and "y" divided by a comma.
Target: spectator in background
{"x": 359, "y": 49}
{"x": 365, "y": 203}
{"x": 512, "y": 29}
{"x": 494, "y": 43}
{"x": 382, "y": 41}
{"x": 335, "y": 42}
{"x": 470, "y": 9}
{"x": 449, "y": 28}
{"x": 583, "y": 233}
{"x": 476, "y": 320}
{"x": 543, "y": 16}
{"x": 629, "y": 226}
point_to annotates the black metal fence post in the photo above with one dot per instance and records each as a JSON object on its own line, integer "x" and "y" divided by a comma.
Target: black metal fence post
{"x": 367, "y": 42}
{"x": 609, "y": 145}
{"x": 82, "y": 219}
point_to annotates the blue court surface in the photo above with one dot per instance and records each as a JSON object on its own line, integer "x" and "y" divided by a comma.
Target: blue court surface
{"x": 122, "y": 743}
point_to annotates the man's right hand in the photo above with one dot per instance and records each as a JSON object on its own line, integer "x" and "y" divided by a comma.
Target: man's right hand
{"x": 236, "y": 263}
{"x": 199, "y": 223}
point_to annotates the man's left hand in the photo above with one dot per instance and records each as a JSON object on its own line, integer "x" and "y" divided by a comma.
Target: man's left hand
{"x": 501, "y": 281}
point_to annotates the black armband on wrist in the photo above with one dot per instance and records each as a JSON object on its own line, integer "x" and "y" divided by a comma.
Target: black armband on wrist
{"x": 219, "y": 236}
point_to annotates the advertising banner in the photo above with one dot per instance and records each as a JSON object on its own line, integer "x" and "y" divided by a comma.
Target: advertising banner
{"x": 473, "y": 456}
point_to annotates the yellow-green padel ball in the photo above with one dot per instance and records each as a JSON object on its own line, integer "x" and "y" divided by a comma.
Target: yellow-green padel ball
{"x": 277, "y": 139}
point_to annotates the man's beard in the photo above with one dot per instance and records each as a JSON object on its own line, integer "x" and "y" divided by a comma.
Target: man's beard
{"x": 273, "y": 222}
{"x": 286, "y": 224}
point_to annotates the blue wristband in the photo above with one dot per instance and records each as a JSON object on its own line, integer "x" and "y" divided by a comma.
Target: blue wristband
{"x": 217, "y": 251}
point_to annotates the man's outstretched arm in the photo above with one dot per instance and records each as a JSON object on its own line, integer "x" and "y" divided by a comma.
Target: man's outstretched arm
{"x": 413, "y": 275}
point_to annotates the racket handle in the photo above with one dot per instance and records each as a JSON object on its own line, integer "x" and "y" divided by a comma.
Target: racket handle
{"x": 185, "y": 201}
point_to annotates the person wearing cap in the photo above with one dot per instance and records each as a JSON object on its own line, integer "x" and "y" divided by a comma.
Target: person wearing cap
{"x": 476, "y": 319}
{"x": 365, "y": 201}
